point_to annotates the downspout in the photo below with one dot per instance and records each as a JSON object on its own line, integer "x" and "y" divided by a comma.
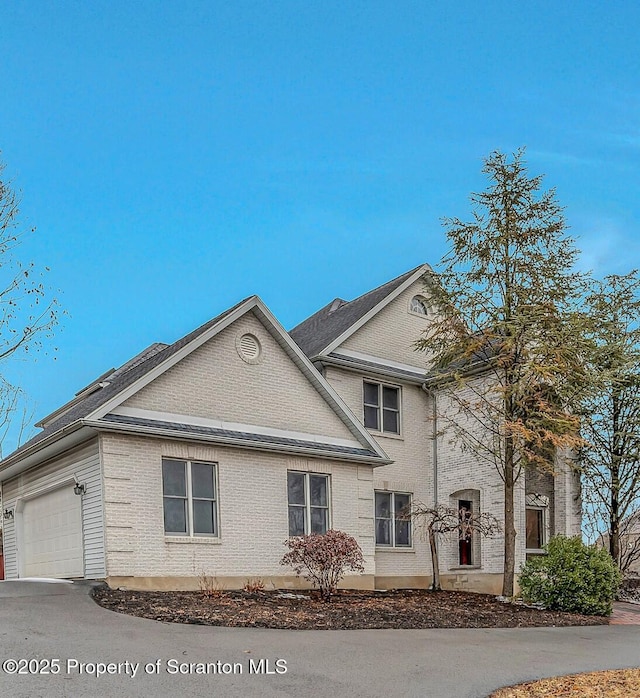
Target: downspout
{"x": 434, "y": 439}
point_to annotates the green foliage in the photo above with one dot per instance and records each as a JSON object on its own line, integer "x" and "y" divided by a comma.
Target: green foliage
{"x": 505, "y": 335}
{"x": 572, "y": 577}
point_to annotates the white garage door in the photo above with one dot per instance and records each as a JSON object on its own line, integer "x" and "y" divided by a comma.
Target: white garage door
{"x": 52, "y": 535}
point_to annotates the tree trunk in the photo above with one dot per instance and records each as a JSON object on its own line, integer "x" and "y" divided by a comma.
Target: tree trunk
{"x": 614, "y": 540}
{"x": 614, "y": 510}
{"x": 509, "y": 524}
{"x": 435, "y": 563}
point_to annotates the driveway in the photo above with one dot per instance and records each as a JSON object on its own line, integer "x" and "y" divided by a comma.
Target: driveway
{"x": 43, "y": 622}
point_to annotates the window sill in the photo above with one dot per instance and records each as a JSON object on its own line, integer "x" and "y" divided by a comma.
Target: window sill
{"x": 385, "y": 435}
{"x": 462, "y": 568}
{"x": 391, "y": 549}
{"x": 195, "y": 540}
{"x": 535, "y": 551}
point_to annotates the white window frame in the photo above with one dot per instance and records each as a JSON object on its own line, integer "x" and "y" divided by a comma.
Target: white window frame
{"x": 190, "y": 532}
{"x": 539, "y": 502}
{"x": 385, "y": 546}
{"x": 543, "y": 527}
{"x": 380, "y": 406}
{"x": 425, "y": 305}
{"x": 307, "y": 500}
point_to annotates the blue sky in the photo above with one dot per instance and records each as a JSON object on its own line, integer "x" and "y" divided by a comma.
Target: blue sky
{"x": 176, "y": 157}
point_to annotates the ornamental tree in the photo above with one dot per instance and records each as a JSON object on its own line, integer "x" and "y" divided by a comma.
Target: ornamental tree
{"x": 323, "y": 559}
{"x": 439, "y": 521}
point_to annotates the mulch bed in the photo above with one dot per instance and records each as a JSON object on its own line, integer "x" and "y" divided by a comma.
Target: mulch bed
{"x": 403, "y": 609}
{"x": 620, "y": 683}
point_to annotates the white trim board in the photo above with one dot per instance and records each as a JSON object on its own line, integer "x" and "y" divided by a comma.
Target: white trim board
{"x": 271, "y": 324}
{"x": 232, "y": 426}
{"x": 350, "y": 353}
{"x": 421, "y": 271}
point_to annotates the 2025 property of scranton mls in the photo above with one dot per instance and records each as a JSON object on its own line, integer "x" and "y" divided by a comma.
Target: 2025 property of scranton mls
{"x": 205, "y": 455}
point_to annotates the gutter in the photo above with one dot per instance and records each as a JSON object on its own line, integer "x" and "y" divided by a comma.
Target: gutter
{"x": 371, "y": 370}
{"x": 474, "y": 369}
{"x": 434, "y": 440}
{"x": 38, "y": 446}
{"x": 231, "y": 441}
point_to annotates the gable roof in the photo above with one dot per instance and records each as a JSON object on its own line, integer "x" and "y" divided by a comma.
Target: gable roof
{"x": 92, "y": 404}
{"x": 319, "y": 334}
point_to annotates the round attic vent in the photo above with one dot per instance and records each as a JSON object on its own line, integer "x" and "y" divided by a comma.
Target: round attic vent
{"x": 249, "y": 348}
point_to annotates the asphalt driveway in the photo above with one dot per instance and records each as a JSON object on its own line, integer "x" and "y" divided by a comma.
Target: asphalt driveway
{"x": 41, "y": 622}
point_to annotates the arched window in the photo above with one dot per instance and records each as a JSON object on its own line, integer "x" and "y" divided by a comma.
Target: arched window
{"x": 467, "y": 503}
{"x": 418, "y": 306}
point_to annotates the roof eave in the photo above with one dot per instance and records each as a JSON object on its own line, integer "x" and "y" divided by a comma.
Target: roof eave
{"x": 267, "y": 446}
{"x": 62, "y": 440}
{"x": 417, "y": 274}
{"x": 474, "y": 369}
{"x": 375, "y": 371}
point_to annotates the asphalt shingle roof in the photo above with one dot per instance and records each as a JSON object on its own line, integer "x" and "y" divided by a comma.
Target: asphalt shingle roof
{"x": 122, "y": 378}
{"x": 318, "y": 331}
{"x": 198, "y": 430}
{"x": 381, "y": 367}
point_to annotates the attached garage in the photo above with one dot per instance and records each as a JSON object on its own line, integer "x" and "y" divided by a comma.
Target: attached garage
{"x": 50, "y": 531}
{"x": 52, "y": 535}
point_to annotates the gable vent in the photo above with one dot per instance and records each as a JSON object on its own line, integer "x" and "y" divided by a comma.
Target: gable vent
{"x": 249, "y": 348}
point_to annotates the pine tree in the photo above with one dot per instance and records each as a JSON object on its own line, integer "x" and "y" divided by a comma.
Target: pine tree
{"x": 506, "y": 336}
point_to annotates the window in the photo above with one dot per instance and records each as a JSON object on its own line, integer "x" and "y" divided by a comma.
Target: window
{"x": 391, "y": 530}
{"x": 535, "y": 528}
{"x": 382, "y": 407}
{"x": 308, "y": 496}
{"x": 465, "y": 538}
{"x": 189, "y": 498}
{"x": 418, "y": 306}
{"x": 537, "y": 520}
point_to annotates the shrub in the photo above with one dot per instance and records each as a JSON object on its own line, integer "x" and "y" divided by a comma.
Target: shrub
{"x": 324, "y": 559}
{"x": 254, "y": 585}
{"x": 572, "y": 577}
{"x": 210, "y": 586}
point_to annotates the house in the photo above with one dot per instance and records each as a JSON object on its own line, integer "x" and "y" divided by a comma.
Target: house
{"x": 206, "y": 454}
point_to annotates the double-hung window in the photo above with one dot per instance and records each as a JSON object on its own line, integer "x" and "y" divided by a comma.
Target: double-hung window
{"x": 382, "y": 407}
{"x": 308, "y": 497}
{"x": 190, "y": 498}
{"x": 393, "y": 527}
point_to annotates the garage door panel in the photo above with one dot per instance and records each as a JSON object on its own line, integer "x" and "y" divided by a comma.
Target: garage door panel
{"x": 52, "y": 535}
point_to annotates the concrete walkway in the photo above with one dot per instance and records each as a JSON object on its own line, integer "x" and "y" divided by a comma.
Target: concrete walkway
{"x": 46, "y": 622}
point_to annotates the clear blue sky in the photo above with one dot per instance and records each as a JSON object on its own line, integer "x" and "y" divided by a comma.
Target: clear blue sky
{"x": 179, "y": 156}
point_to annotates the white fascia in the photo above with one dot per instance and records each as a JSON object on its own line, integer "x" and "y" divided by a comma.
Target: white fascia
{"x": 238, "y": 442}
{"x": 232, "y": 426}
{"x": 387, "y": 363}
{"x": 424, "y": 269}
{"x": 282, "y": 337}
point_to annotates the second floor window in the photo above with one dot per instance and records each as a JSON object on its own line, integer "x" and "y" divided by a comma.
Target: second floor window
{"x": 382, "y": 407}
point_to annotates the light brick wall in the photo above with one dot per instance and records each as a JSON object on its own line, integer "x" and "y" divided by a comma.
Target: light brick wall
{"x": 567, "y": 499}
{"x": 214, "y": 382}
{"x": 461, "y": 468}
{"x": 411, "y": 470}
{"x": 252, "y": 502}
{"x": 391, "y": 333}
